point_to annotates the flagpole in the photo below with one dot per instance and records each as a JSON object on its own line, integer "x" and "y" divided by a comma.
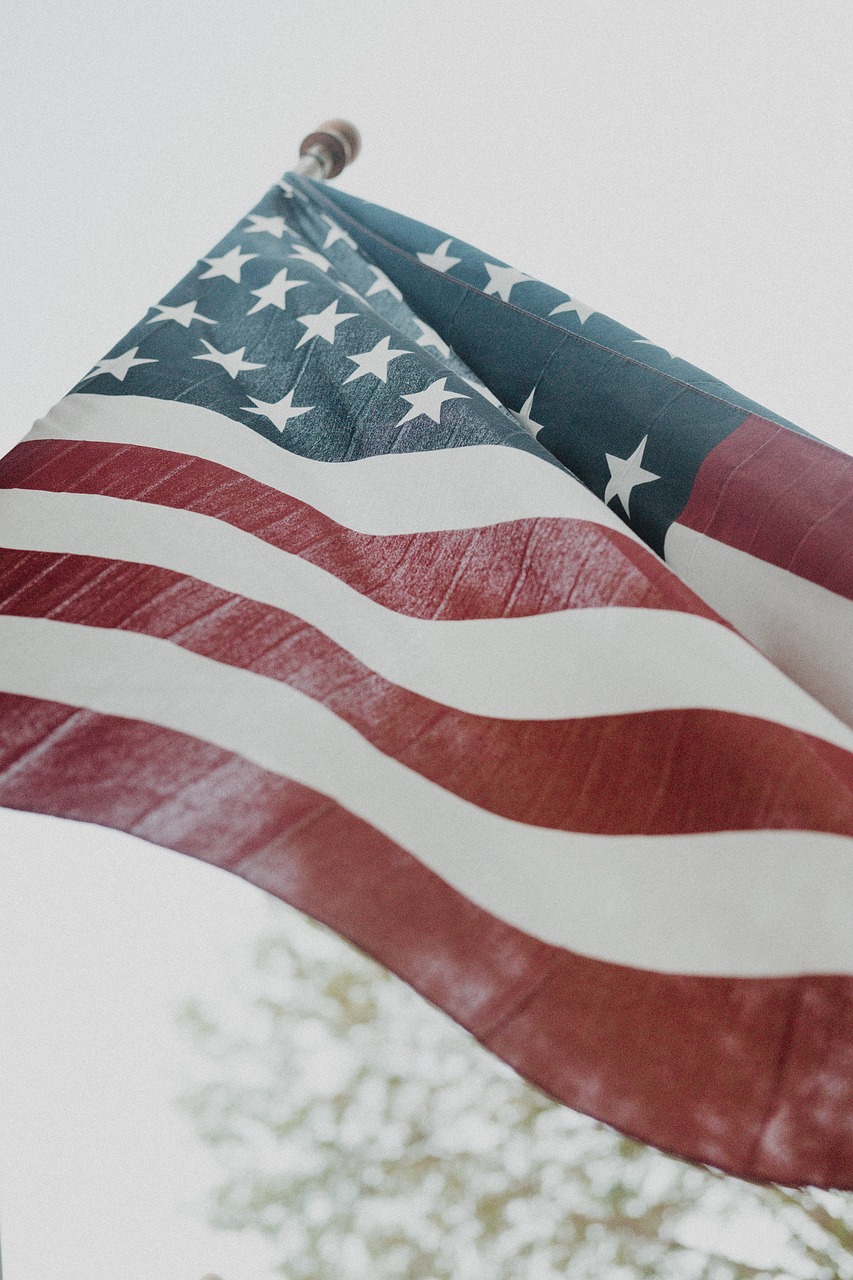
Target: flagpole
{"x": 327, "y": 151}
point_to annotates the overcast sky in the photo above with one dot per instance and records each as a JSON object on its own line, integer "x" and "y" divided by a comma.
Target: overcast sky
{"x": 685, "y": 168}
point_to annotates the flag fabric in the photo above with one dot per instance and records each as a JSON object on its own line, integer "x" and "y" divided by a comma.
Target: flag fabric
{"x": 482, "y": 629}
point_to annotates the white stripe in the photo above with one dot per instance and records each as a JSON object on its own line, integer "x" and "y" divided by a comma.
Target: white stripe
{"x": 806, "y": 630}
{"x": 394, "y": 493}
{"x": 578, "y": 662}
{"x": 736, "y": 903}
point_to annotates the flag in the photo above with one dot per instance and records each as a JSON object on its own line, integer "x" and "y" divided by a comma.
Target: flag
{"x": 482, "y": 629}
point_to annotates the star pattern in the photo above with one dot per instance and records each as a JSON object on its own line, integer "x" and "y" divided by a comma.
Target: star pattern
{"x": 440, "y": 259}
{"x": 524, "y": 416}
{"x": 429, "y": 402}
{"x": 322, "y": 324}
{"x": 304, "y": 254}
{"x": 336, "y": 233}
{"x": 231, "y": 361}
{"x": 279, "y": 412}
{"x": 383, "y": 285}
{"x": 375, "y": 361}
{"x": 625, "y": 475}
{"x": 273, "y": 226}
{"x": 183, "y": 315}
{"x": 581, "y": 309}
{"x": 350, "y": 370}
{"x": 275, "y": 293}
{"x": 229, "y": 265}
{"x": 119, "y": 366}
{"x": 502, "y": 280}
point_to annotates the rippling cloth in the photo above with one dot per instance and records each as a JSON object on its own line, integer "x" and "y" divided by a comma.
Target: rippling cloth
{"x": 477, "y": 626}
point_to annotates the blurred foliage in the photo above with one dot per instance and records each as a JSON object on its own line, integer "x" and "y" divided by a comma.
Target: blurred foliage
{"x": 369, "y": 1136}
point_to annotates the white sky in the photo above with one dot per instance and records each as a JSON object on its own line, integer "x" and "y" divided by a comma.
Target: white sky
{"x": 685, "y": 168}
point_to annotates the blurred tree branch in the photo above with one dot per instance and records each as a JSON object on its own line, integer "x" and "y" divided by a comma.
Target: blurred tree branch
{"x": 369, "y": 1136}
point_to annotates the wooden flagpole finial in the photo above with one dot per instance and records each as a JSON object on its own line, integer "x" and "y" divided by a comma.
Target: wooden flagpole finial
{"x": 329, "y": 149}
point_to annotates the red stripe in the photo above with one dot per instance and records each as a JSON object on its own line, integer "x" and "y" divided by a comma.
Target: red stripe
{"x": 783, "y": 497}
{"x": 751, "y": 1075}
{"x": 660, "y": 772}
{"x": 513, "y": 569}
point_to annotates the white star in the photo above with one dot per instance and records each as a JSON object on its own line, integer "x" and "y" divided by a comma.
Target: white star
{"x": 644, "y": 342}
{"x": 429, "y": 338}
{"x": 118, "y": 366}
{"x": 279, "y": 412}
{"x": 274, "y": 294}
{"x": 625, "y": 474}
{"x": 304, "y": 254}
{"x": 336, "y": 233}
{"x": 274, "y": 226}
{"x": 439, "y": 259}
{"x": 383, "y": 285}
{"x": 232, "y": 361}
{"x": 581, "y": 309}
{"x": 375, "y": 361}
{"x": 184, "y": 314}
{"x": 502, "y": 280}
{"x": 230, "y": 265}
{"x": 322, "y": 324}
{"x": 429, "y": 401}
{"x": 524, "y": 416}
{"x": 290, "y": 191}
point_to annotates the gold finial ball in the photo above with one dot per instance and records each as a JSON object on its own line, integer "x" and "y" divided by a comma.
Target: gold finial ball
{"x": 338, "y": 141}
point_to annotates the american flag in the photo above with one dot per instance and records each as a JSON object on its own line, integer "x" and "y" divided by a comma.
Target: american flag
{"x": 503, "y": 641}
